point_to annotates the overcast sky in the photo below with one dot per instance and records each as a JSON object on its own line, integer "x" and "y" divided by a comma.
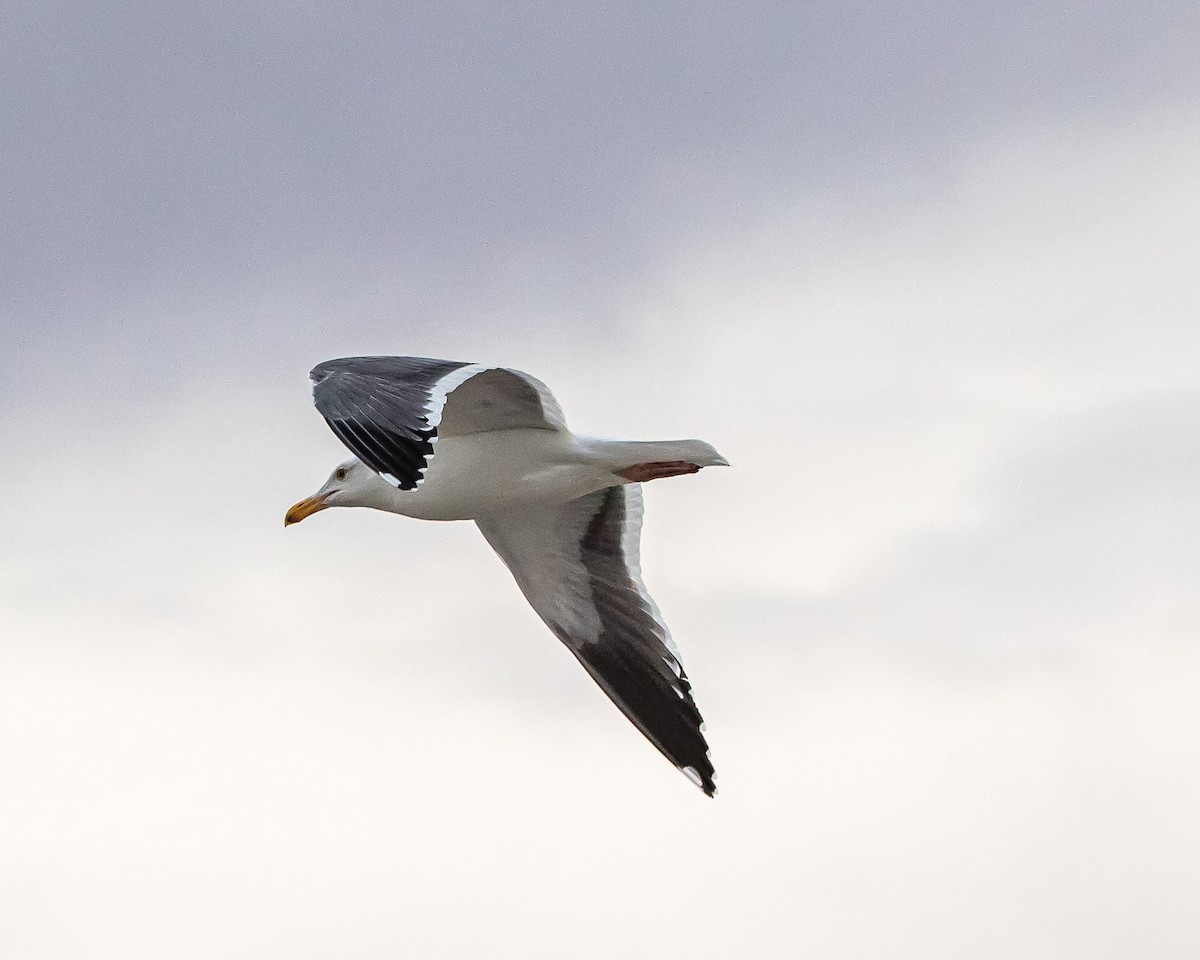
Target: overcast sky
{"x": 925, "y": 274}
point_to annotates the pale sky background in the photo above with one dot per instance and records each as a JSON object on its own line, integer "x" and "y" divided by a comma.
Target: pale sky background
{"x": 926, "y": 273}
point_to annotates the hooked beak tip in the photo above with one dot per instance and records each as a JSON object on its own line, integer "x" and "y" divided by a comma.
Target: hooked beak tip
{"x": 305, "y": 508}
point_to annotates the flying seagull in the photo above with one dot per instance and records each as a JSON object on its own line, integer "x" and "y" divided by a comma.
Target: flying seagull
{"x": 443, "y": 440}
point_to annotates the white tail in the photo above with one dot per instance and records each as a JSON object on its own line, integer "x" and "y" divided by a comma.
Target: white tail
{"x": 625, "y": 453}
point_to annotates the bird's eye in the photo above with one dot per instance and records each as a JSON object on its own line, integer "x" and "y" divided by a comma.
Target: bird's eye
{"x": 339, "y": 473}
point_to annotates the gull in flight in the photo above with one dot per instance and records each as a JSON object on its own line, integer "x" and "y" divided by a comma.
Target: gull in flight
{"x": 442, "y": 440}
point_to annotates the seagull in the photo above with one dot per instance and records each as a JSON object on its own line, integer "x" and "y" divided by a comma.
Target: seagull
{"x": 444, "y": 440}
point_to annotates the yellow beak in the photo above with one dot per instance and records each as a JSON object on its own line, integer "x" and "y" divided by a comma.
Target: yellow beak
{"x": 305, "y": 508}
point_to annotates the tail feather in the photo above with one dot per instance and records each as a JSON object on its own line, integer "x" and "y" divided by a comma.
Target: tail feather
{"x": 626, "y": 453}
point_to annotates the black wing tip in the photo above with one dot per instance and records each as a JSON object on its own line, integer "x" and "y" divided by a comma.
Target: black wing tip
{"x": 399, "y": 460}
{"x": 701, "y": 778}
{"x": 677, "y": 732}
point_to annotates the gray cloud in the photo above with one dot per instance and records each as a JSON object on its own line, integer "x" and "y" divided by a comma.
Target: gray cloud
{"x": 161, "y": 159}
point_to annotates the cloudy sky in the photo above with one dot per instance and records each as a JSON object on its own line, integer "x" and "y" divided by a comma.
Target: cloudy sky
{"x": 925, "y": 273}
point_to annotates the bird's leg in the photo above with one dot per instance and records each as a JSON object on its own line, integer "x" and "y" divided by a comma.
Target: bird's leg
{"x": 655, "y": 470}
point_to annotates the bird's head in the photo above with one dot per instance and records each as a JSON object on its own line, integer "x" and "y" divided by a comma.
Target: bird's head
{"x": 351, "y": 485}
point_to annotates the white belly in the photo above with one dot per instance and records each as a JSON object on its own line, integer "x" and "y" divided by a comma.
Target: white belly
{"x": 485, "y": 474}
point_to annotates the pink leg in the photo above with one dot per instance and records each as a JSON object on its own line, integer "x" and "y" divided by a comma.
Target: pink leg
{"x": 641, "y": 472}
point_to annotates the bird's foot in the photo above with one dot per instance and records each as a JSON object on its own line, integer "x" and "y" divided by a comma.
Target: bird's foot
{"x": 641, "y": 472}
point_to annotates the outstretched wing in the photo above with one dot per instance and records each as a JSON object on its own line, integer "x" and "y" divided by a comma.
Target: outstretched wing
{"x": 389, "y": 411}
{"x": 579, "y": 568}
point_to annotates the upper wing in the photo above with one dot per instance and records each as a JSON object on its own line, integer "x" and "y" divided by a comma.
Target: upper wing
{"x": 390, "y": 410}
{"x": 499, "y": 399}
{"x": 579, "y": 568}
